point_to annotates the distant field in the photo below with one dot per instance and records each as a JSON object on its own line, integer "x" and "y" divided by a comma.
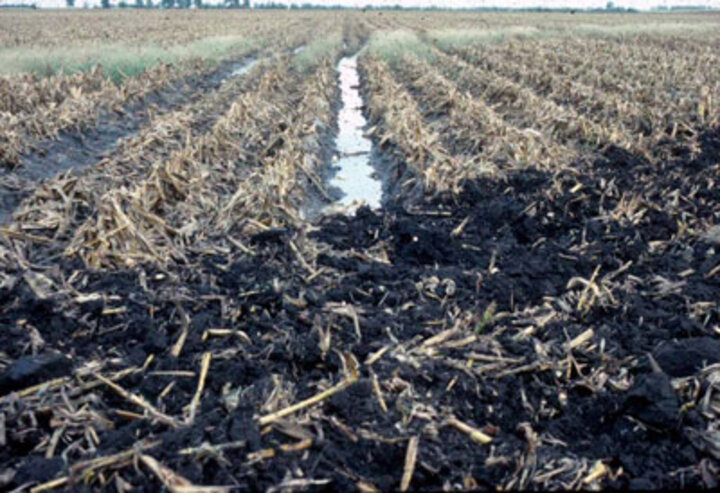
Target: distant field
{"x": 186, "y": 305}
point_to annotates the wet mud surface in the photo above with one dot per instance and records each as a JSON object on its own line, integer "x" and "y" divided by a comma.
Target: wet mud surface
{"x": 79, "y": 149}
{"x": 474, "y": 308}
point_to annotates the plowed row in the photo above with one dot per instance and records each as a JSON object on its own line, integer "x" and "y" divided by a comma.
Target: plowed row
{"x": 533, "y": 307}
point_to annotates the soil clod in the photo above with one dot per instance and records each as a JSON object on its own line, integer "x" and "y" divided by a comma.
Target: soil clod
{"x": 652, "y": 400}
{"x": 684, "y": 358}
{"x": 32, "y": 370}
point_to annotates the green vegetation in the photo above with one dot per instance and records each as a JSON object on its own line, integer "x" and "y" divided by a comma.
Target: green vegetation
{"x": 633, "y": 28}
{"x": 393, "y": 45}
{"x": 454, "y": 38}
{"x": 486, "y": 319}
{"x": 314, "y": 51}
{"x": 118, "y": 59}
{"x": 451, "y": 38}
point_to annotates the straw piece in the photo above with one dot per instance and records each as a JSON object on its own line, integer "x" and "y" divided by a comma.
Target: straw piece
{"x": 139, "y": 401}
{"x": 474, "y": 434}
{"x": 410, "y": 460}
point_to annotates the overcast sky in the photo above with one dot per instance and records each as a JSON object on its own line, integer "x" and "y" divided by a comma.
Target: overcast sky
{"x": 639, "y": 4}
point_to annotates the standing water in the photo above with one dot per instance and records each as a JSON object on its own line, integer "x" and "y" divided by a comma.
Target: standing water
{"x": 244, "y": 68}
{"x": 354, "y": 176}
{"x": 240, "y": 68}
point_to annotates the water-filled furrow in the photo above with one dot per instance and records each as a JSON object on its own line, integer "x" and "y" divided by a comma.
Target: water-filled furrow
{"x": 355, "y": 176}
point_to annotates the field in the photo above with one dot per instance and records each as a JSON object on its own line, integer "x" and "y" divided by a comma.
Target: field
{"x": 188, "y": 305}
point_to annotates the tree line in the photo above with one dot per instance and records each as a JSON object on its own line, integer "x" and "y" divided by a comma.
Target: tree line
{"x": 245, "y": 4}
{"x": 169, "y": 4}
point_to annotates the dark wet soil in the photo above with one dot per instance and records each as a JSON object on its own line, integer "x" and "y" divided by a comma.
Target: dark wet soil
{"x": 501, "y": 262}
{"x": 81, "y": 148}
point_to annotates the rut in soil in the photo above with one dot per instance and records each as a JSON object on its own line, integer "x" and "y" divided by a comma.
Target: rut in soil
{"x": 80, "y": 149}
{"x": 355, "y": 177}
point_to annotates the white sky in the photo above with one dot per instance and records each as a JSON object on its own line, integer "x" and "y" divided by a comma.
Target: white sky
{"x": 638, "y": 4}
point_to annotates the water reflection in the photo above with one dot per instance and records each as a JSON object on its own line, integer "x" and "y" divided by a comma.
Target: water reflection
{"x": 355, "y": 174}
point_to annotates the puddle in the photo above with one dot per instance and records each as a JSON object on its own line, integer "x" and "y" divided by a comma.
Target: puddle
{"x": 355, "y": 176}
{"x": 244, "y": 68}
{"x": 241, "y": 68}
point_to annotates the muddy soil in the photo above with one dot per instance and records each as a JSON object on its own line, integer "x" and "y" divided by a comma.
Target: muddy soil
{"x": 79, "y": 149}
{"x": 500, "y": 268}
